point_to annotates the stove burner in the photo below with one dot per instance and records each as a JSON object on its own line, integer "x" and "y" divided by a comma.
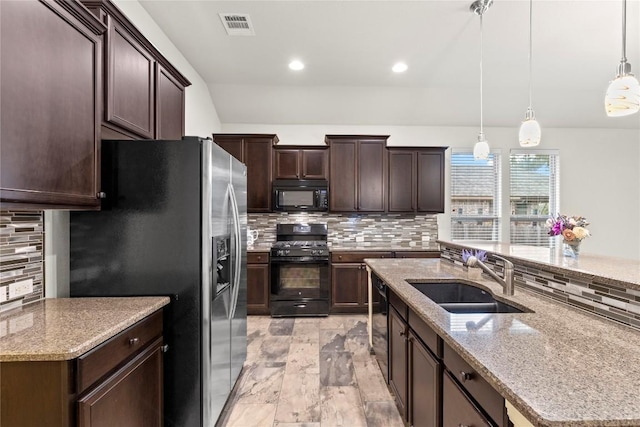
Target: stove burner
{"x": 300, "y": 244}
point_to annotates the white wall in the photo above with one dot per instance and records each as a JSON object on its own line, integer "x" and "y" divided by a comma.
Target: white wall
{"x": 599, "y": 171}
{"x": 201, "y": 118}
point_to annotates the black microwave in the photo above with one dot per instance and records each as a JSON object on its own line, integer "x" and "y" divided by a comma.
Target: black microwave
{"x": 300, "y": 195}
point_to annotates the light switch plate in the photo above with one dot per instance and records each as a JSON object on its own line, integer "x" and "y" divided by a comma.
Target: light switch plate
{"x": 21, "y": 288}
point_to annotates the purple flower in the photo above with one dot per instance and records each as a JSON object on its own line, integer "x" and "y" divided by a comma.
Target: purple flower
{"x": 557, "y": 228}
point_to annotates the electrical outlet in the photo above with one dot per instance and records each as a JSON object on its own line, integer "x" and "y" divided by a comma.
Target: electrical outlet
{"x": 3, "y": 293}
{"x": 21, "y": 288}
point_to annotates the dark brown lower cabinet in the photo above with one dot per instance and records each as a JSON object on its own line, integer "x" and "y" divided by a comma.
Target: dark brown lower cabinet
{"x": 349, "y": 281}
{"x": 118, "y": 383}
{"x": 398, "y": 366}
{"x": 130, "y": 396}
{"x": 457, "y": 409}
{"x": 425, "y": 373}
{"x": 258, "y": 283}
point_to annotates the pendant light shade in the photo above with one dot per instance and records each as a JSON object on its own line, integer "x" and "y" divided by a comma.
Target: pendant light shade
{"x": 530, "y": 132}
{"x": 481, "y": 148}
{"x": 623, "y": 93}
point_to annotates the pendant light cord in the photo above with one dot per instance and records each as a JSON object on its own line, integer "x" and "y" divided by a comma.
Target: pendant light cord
{"x": 624, "y": 31}
{"x": 530, "y": 53}
{"x": 481, "y": 121}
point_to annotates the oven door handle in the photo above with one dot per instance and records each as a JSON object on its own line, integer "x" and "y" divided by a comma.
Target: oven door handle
{"x": 298, "y": 260}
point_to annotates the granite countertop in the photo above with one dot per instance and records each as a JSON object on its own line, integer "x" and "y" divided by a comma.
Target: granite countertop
{"x": 65, "y": 328}
{"x": 558, "y": 366}
{"x": 617, "y": 271}
{"x": 360, "y": 246}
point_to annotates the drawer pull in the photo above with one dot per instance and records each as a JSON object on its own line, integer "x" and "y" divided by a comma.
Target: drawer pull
{"x": 134, "y": 341}
{"x": 465, "y": 376}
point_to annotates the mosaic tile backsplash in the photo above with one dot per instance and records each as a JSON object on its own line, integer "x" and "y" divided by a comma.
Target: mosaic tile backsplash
{"x": 590, "y": 294}
{"x": 21, "y": 255}
{"x": 352, "y": 228}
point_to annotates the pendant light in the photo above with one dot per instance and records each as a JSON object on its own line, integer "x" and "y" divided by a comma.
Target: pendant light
{"x": 530, "y": 133}
{"x": 623, "y": 93}
{"x": 481, "y": 149}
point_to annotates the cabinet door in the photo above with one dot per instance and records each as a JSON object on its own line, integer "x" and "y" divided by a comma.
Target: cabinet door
{"x": 457, "y": 409}
{"x": 402, "y": 181}
{"x": 398, "y": 360}
{"x": 257, "y": 157}
{"x": 342, "y": 181}
{"x": 257, "y": 288}
{"x": 431, "y": 181}
{"x": 371, "y": 176}
{"x": 424, "y": 385}
{"x": 233, "y": 146}
{"x": 315, "y": 163}
{"x": 50, "y": 70}
{"x": 132, "y": 396}
{"x": 169, "y": 106}
{"x": 346, "y": 292}
{"x": 130, "y": 83}
{"x": 286, "y": 164}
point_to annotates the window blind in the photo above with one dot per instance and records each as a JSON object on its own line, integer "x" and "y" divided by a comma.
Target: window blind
{"x": 475, "y": 197}
{"x": 534, "y": 195}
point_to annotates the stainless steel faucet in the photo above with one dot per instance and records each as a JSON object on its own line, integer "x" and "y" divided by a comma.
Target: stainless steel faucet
{"x": 507, "y": 282}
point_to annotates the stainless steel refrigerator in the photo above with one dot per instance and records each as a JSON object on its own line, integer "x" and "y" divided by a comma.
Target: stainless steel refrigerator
{"x": 173, "y": 222}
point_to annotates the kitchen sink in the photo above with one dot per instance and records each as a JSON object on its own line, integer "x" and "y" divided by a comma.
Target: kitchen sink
{"x": 462, "y": 298}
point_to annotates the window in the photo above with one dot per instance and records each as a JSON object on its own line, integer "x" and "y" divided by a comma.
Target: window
{"x": 534, "y": 195}
{"x": 475, "y": 197}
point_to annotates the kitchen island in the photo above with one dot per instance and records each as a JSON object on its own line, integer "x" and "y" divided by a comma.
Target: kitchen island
{"x": 82, "y": 361}
{"x": 558, "y": 366}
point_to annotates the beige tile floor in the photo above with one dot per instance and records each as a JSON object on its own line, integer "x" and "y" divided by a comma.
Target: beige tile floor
{"x": 310, "y": 372}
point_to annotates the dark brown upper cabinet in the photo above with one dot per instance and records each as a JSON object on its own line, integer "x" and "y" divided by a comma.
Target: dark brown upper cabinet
{"x": 300, "y": 163}
{"x": 169, "y": 105}
{"x": 51, "y": 79}
{"x": 416, "y": 179}
{"x": 357, "y": 173}
{"x": 255, "y": 151}
{"x": 144, "y": 93}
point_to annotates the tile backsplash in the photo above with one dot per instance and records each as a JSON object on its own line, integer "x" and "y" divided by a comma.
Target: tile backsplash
{"x": 599, "y": 296}
{"x": 21, "y": 255}
{"x": 406, "y": 229}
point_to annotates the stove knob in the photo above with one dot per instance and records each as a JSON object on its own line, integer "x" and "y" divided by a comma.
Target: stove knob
{"x": 287, "y": 252}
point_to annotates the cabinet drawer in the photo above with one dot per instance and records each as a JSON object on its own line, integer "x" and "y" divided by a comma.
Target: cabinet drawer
{"x": 257, "y": 257}
{"x": 486, "y": 396}
{"x": 98, "y": 362}
{"x": 398, "y": 304}
{"x": 457, "y": 409}
{"x": 426, "y": 334}
{"x": 358, "y": 256}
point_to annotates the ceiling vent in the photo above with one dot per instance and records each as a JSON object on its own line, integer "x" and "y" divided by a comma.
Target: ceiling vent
{"x": 237, "y": 24}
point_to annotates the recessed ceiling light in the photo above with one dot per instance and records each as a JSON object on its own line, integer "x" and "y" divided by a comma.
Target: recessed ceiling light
{"x": 296, "y": 65}
{"x": 400, "y": 67}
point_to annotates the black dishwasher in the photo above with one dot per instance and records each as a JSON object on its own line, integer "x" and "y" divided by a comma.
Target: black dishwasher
{"x": 379, "y": 326}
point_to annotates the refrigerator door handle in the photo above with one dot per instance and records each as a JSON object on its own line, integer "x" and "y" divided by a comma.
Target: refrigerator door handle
{"x": 238, "y": 251}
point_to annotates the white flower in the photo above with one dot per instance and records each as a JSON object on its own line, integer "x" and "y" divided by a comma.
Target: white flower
{"x": 580, "y": 232}
{"x": 572, "y": 221}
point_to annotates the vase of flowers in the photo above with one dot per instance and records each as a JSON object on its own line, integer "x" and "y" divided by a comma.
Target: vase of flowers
{"x": 573, "y": 230}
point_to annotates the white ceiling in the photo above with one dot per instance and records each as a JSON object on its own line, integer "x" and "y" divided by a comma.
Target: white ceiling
{"x": 349, "y": 47}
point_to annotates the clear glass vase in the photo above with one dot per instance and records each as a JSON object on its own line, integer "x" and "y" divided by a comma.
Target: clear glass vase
{"x": 571, "y": 249}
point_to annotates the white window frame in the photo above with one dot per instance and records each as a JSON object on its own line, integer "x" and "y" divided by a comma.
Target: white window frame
{"x": 496, "y": 217}
{"x": 554, "y": 200}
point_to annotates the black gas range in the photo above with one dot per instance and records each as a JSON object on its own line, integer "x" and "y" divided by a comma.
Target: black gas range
{"x": 300, "y": 271}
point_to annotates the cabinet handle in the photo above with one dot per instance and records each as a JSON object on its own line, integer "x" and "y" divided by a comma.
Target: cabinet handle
{"x": 259, "y": 257}
{"x": 134, "y": 341}
{"x": 101, "y": 195}
{"x": 165, "y": 348}
{"x": 402, "y": 333}
{"x": 339, "y": 256}
{"x": 463, "y": 425}
{"x": 465, "y": 376}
